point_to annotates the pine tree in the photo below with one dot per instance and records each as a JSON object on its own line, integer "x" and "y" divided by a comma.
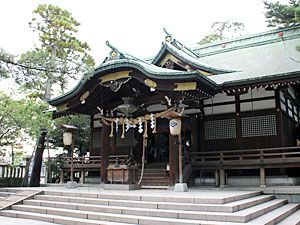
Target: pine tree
{"x": 281, "y": 15}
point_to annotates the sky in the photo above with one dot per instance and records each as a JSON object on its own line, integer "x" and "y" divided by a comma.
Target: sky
{"x": 133, "y": 26}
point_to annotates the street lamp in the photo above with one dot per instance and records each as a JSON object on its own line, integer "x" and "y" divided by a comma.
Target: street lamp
{"x": 175, "y": 130}
{"x": 68, "y": 139}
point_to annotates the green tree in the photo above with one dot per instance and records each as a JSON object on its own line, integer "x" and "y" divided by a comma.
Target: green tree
{"x": 222, "y": 30}
{"x": 282, "y": 15}
{"x": 21, "y": 119}
{"x": 5, "y": 66}
{"x": 61, "y": 55}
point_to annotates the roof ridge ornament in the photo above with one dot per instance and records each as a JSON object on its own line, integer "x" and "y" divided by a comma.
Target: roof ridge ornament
{"x": 168, "y": 37}
{"x": 114, "y": 53}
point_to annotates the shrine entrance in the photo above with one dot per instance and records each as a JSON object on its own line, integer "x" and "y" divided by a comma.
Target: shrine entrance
{"x": 158, "y": 148}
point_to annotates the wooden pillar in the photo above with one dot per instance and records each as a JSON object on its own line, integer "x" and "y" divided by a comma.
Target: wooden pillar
{"x": 91, "y": 135}
{"x": 201, "y": 134}
{"x": 173, "y": 160}
{"x": 222, "y": 177}
{"x": 139, "y": 147}
{"x": 279, "y": 120}
{"x": 104, "y": 151}
{"x": 238, "y": 122}
{"x": 194, "y": 134}
{"x": 113, "y": 141}
{"x": 262, "y": 177}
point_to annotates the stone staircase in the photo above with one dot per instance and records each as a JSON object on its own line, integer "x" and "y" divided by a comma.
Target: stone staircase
{"x": 158, "y": 208}
{"x": 155, "y": 176}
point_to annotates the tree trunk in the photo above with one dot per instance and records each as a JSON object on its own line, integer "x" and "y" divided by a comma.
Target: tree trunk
{"x": 37, "y": 160}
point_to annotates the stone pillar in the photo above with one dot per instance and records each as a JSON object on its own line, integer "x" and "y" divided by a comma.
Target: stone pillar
{"x": 173, "y": 160}
{"x": 262, "y": 177}
{"x": 82, "y": 177}
{"x": 62, "y": 177}
{"x": 222, "y": 177}
{"x": 104, "y": 151}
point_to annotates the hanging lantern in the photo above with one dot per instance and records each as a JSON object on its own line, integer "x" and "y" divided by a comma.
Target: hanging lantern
{"x": 67, "y": 138}
{"x": 175, "y": 126}
{"x": 127, "y": 108}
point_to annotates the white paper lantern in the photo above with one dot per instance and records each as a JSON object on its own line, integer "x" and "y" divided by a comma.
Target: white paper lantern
{"x": 175, "y": 126}
{"x": 67, "y": 138}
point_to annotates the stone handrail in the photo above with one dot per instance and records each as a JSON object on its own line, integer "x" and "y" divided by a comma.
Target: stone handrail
{"x": 8, "y": 171}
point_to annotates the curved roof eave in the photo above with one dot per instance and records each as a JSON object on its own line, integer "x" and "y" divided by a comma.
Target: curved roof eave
{"x": 149, "y": 70}
{"x": 168, "y": 47}
{"x": 267, "y": 78}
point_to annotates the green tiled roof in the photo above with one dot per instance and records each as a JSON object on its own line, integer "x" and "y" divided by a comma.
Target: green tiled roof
{"x": 148, "y": 69}
{"x": 258, "y": 62}
{"x": 191, "y": 59}
{"x": 256, "y": 58}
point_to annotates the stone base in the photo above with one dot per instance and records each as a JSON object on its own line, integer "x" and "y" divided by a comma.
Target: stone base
{"x": 72, "y": 184}
{"x": 181, "y": 187}
{"x": 125, "y": 187}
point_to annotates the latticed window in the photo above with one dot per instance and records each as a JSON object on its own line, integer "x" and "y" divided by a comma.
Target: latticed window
{"x": 220, "y": 129}
{"x": 259, "y": 126}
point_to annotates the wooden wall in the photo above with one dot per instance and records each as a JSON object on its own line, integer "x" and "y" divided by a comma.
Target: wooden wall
{"x": 254, "y": 120}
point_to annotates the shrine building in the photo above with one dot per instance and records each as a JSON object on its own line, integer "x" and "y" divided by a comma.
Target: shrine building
{"x": 238, "y": 102}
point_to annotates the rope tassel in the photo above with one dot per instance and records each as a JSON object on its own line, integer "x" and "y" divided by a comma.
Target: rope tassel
{"x": 145, "y": 130}
{"x": 123, "y": 129}
{"x": 111, "y": 129}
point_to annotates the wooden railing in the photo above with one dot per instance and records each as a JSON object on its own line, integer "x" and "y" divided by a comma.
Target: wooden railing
{"x": 92, "y": 162}
{"x": 272, "y": 157}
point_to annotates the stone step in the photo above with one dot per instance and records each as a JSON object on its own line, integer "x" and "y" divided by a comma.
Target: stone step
{"x": 157, "y": 187}
{"x": 79, "y": 221}
{"x": 5, "y": 194}
{"x": 149, "y": 176}
{"x": 105, "y": 198}
{"x": 143, "y": 220}
{"x": 120, "y": 205}
{"x": 277, "y": 215}
{"x": 153, "y": 175}
{"x": 120, "y": 214}
{"x": 55, "y": 219}
{"x": 157, "y": 182}
{"x": 261, "y": 209}
{"x": 293, "y": 219}
{"x": 154, "y": 170}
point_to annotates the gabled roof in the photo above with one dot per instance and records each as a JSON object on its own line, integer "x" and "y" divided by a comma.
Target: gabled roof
{"x": 187, "y": 56}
